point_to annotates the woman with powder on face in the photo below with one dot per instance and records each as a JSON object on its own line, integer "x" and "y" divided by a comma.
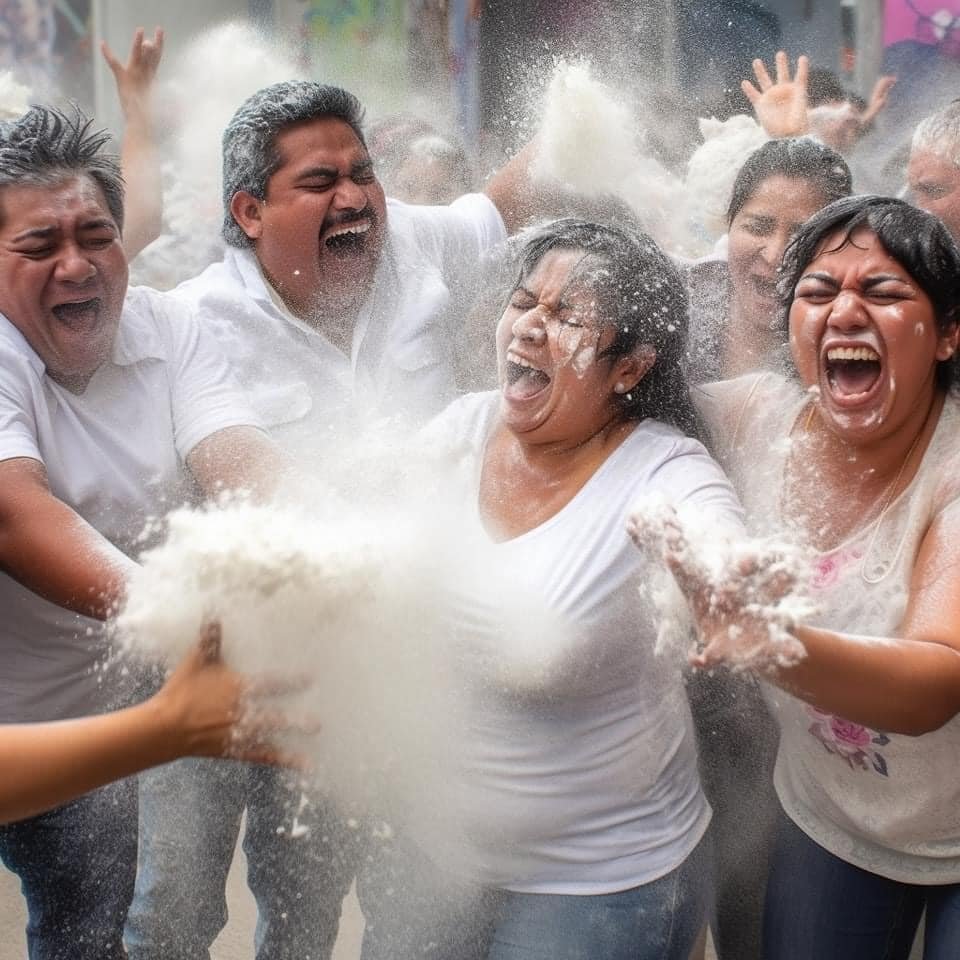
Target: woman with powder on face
{"x": 854, "y": 457}
{"x": 577, "y": 790}
{"x": 733, "y": 303}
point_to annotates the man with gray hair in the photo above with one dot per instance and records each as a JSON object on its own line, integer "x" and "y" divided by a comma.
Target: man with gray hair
{"x": 933, "y": 171}
{"x": 114, "y": 405}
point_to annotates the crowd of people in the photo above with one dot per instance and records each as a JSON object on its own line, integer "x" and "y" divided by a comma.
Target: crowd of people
{"x": 797, "y": 386}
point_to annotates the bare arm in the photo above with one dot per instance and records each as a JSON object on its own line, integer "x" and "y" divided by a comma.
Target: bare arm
{"x": 514, "y": 193}
{"x": 200, "y": 711}
{"x": 52, "y": 551}
{"x": 238, "y": 458}
{"x": 908, "y": 684}
{"x": 139, "y": 155}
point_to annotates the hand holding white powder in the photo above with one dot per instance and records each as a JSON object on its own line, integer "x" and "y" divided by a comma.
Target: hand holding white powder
{"x": 743, "y": 593}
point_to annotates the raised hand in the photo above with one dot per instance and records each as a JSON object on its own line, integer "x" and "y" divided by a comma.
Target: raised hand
{"x": 878, "y": 99}
{"x": 135, "y": 78}
{"x": 781, "y": 105}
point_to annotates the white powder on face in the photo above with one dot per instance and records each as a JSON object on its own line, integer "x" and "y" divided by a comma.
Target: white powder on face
{"x": 758, "y": 581}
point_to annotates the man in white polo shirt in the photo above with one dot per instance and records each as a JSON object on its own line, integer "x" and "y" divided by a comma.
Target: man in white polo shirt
{"x": 334, "y": 305}
{"x": 112, "y": 406}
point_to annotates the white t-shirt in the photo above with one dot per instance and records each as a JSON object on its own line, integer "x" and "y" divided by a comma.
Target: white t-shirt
{"x": 586, "y": 783}
{"x": 400, "y": 361}
{"x": 888, "y": 803}
{"x": 115, "y": 455}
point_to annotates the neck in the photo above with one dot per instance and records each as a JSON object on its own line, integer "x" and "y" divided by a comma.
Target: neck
{"x": 883, "y": 460}
{"x": 563, "y": 457}
{"x": 747, "y": 344}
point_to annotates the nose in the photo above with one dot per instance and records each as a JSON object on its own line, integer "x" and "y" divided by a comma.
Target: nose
{"x": 846, "y": 312}
{"x": 349, "y": 195}
{"x": 529, "y": 326}
{"x": 772, "y": 250}
{"x": 73, "y": 266}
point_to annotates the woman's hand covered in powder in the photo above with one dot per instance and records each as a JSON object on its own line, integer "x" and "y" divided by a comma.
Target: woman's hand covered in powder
{"x": 741, "y": 595}
{"x": 213, "y": 711}
{"x": 781, "y": 106}
{"x": 135, "y": 78}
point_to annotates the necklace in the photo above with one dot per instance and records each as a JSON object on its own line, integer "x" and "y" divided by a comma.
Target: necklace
{"x": 886, "y": 501}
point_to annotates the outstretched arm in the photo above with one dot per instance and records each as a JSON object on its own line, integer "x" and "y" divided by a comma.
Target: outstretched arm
{"x": 202, "y": 710}
{"x": 139, "y": 155}
{"x": 51, "y": 550}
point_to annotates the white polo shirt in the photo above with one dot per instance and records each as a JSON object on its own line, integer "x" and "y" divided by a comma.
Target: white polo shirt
{"x": 400, "y": 361}
{"x": 115, "y": 455}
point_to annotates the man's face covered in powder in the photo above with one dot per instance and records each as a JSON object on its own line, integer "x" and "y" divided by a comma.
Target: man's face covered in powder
{"x": 934, "y": 184}
{"x": 319, "y": 232}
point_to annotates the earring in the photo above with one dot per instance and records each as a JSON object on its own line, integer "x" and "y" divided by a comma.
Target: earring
{"x": 619, "y": 388}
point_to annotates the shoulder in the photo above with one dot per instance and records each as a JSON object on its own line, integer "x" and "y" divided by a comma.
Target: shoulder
{"x": 463, "y": 424}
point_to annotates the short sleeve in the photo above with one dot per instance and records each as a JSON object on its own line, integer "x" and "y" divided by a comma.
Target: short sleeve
{"x": 694, "y": 483}
{"x": 18, "y": 409}
{"x": 205, "y": 396}
{"x": 464, "y": 231}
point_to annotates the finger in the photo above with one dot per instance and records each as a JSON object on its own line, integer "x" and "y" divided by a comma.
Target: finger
{"x": 763, "y": 78}
{"x": 112, "y": 62}
{"x": 210, "y": 642}
{"x": 803, "y": 71}
{"x": 751, "y": 92}
{"x": 136, "y": 47}
{"x": 783, "y": 67}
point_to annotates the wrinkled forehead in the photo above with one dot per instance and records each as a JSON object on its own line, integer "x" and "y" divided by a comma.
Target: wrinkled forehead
{"x": 75, "y": 197}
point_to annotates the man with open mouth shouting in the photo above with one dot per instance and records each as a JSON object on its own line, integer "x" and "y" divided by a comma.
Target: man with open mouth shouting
{"x": 333, "y": 304}
{"x": 114, "y": 405}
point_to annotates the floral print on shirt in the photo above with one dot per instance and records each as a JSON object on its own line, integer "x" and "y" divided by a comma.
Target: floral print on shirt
{"x": 853, "y": 743}
{"x": 850, "y": 741}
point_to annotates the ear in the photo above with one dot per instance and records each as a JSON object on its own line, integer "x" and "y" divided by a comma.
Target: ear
{"x": 947, "y": 342}
{"x": 630, "y": 369}
{"x": 246, "y": 210}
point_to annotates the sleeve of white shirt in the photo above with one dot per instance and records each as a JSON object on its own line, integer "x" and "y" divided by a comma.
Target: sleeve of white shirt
{"x": 205, "y": 396}
{"x": 18, "y": 428}
{"x": 694, "y": 482}
{"x": 463, "y": 232}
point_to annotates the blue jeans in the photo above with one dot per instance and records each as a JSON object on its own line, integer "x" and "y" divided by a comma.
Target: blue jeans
{"x": 76, "y": 866}
{"x": 819, "y": 906}
{"x": 190, "y": 820}
{"x": 416, "y": 911}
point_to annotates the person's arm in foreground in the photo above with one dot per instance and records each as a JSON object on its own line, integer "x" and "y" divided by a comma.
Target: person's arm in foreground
{"x": 909, "y": 684}
{"x": 202, "y": 710}
{"x": 139, "y": 155}
{"x": 51, "y": 550}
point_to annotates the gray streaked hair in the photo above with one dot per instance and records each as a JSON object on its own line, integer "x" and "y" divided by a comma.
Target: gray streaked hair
{"x": 46, "y": 146}
{"x": 249, "y": 143}
{"x": 940, "y": 133}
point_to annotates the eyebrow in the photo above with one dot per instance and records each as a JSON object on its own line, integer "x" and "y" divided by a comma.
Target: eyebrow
{"x": 871, "y": 281}
{"x": 44, "y": 233}
{"x": 331, "y": 173}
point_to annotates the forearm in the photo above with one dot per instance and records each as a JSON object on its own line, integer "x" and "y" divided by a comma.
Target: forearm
{"x": 54, "y": 553}
{"x": 45, "y": 765}
{"x": 513, "y": 192}
{"x": 893, "y": 685}
{"x": 140, "y": 161}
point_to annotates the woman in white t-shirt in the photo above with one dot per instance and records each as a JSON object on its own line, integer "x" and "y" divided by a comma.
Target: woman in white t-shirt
{"x": 857, "y": 459}
{"x": 583, "y": 825}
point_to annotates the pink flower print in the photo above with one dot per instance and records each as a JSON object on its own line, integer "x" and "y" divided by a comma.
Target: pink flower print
{"x": 850, "y": 741}
{"x": 827, "y": 569}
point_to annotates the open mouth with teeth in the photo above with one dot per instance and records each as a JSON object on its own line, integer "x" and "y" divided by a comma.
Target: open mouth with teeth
{"x": 347, "y": 237}
{"x": 523, "y": 380}
{"x": 852, "y": 372}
